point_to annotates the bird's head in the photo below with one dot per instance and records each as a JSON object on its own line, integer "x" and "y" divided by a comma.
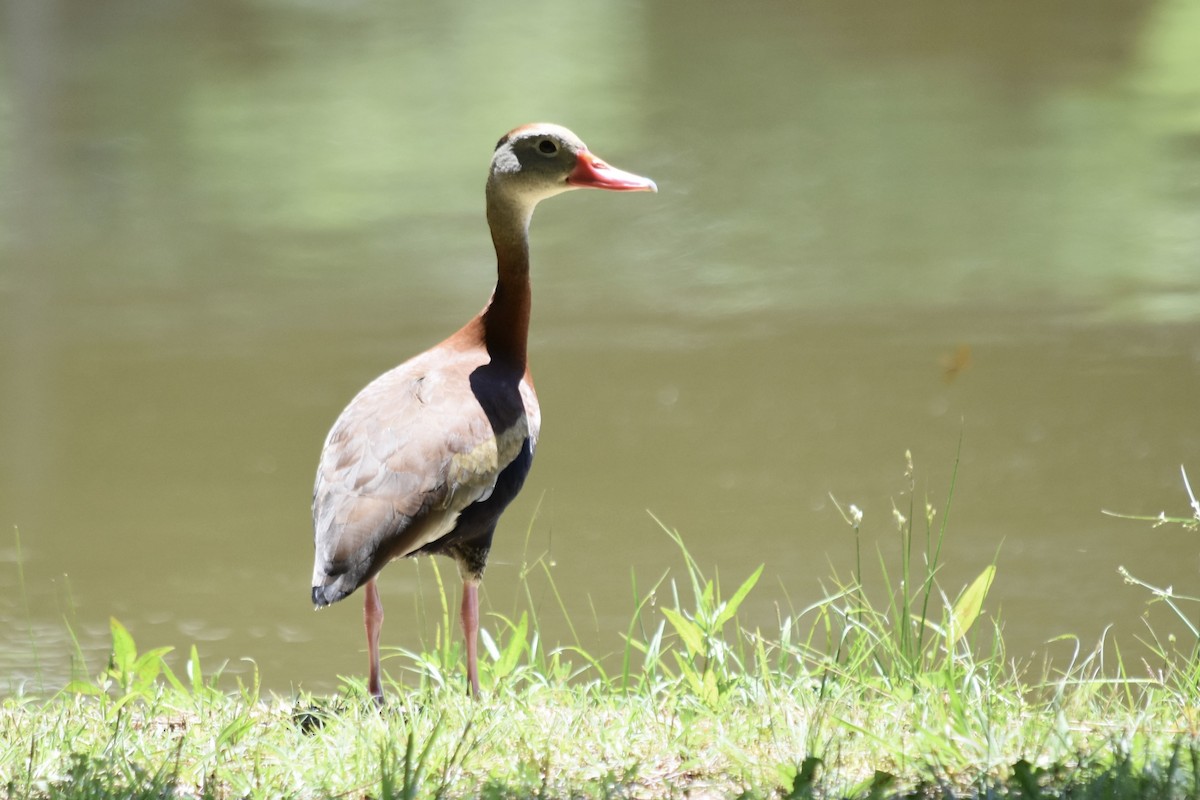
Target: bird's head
{"x": 537, "y": 161}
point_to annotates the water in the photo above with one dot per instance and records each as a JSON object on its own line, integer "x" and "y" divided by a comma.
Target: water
{"x": 878, "y": 230}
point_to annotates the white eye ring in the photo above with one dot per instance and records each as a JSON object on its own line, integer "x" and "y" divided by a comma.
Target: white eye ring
{"x": 547, "y": 147}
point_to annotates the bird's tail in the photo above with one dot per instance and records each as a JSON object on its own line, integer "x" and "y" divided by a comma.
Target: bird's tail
{"x": 325, "y": 594}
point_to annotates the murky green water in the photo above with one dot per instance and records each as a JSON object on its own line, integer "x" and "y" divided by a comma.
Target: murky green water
{"x": 217, "y": 221}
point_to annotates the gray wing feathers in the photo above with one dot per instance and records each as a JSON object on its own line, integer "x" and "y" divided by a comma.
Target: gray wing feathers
{"x": 410, "y": 452}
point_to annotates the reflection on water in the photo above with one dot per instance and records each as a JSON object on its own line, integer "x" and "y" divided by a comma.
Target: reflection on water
{"x": 220, "y": 220}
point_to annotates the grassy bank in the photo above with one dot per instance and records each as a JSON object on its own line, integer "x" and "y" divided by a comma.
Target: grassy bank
{"x": 909, "y": 694}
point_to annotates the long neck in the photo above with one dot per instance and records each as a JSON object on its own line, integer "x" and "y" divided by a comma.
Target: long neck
{"x": 506, "y": 318}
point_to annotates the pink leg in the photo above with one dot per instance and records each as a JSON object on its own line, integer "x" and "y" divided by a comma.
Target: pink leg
{"x": 470, "y": 623}
{"x": 373, "y": 617}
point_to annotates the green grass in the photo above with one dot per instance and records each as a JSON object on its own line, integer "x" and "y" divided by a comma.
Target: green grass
{"x": 909, "y": 695}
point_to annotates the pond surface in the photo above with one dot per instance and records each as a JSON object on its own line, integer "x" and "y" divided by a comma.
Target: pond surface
{"x": 879, "y": 229}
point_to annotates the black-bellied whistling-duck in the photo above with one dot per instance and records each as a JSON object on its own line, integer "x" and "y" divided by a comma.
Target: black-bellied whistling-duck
{"x": 428, "y": 455}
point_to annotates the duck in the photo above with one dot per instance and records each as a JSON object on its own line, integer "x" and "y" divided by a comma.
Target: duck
{"x": 426, "y": 457}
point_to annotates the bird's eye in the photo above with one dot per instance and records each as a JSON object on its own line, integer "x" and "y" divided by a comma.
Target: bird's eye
{"x": 548, "y": 147}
